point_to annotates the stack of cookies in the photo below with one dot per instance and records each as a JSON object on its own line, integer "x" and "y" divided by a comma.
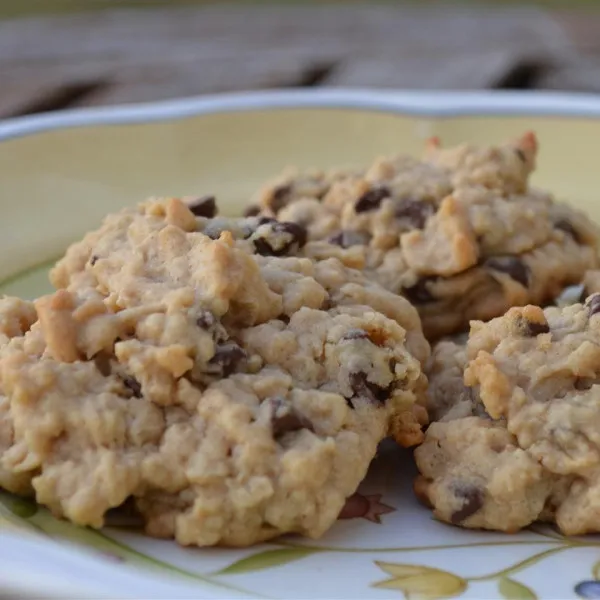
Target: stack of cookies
{"x": 462, "y": 235}
{"x": 230, "y": 379}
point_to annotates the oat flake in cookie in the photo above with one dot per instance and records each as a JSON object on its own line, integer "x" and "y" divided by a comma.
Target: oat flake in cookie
{"x": 536, "y": 453}
{"x": 233, "y": 393}
{"x": 460, "y": 233}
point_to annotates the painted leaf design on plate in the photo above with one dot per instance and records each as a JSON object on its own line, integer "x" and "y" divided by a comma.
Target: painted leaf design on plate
{"x": 513, "y": 590}
{"x": 420, "y": 583}
{"x": 266, "y": 560}
{"x": 42, "y": 521}
{"x": 20, "y": 507}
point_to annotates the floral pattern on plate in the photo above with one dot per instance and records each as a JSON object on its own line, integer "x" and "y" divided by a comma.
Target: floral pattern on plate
{"x": 390, "y": 544}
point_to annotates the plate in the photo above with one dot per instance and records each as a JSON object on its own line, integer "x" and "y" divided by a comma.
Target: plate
{"x": 61, "y": 173}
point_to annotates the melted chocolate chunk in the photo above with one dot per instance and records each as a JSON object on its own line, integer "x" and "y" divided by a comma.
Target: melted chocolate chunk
{"x": 419, "y": 292}
{"x": 204, "y": 207}
{"x": 285, "y": 418}
{"x": 532, "y": 328}
{"x": 514, "y": 267}
{"x": 228, "y": 357}
{"x": 346, "y": 239}
{"x": 94, "y": 259}
{"x": 206, "y": 319}
{"x": 280, "y": 197}
{"x": 363, "y": 388}
{"x": 594, "y": 305}
{"x": 472, "y": 498}
{"x": 355, "y": 334}
{"x": 568, "y": 228}
{"x": 521, "y": 154}
{"x": 298, "y": 238}
{"x": 133, "y": 385}
{"x": 265, "y": 220}
{"x": 252, "y": 211}
{"x": 415, "y": 211}
{"x": 371, "y": 200}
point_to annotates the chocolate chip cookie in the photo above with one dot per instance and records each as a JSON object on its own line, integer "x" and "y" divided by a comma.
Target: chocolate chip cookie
{"x": 535, "y": 453}
{"x": 461, "y": 234}
{"x": 207, "y": 372}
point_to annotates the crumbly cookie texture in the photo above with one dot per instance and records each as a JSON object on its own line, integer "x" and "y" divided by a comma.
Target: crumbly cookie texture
{"x": 448, "y": 398}
{"x": 232, "y": 390}
{"x": 537, "y": 455}
{"x": 460, "y": 233}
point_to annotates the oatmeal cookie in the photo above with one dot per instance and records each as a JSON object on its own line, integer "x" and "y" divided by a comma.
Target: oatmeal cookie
{"x": 460, "y": 233}
{"x": 537, "y": 456}
{"x": 204, "y": 370}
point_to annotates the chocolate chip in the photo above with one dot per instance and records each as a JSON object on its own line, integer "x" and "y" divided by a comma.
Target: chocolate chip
{"x": 472, "y": 498}
{"x": 583, "y": 295}
{"x": 265, "y": 220}
{"x": 584, "y": 383}
{"x": 419, "y": 292}
{"x": 532, "y": 328}
{"x": 594, "y": 305}
{"x": 298, "y": 234}
{"x": 371, "y": 200}
{"x": 280, "y": 197}
{"x": 416, "y": 211}
{"x": 94, "y": 259}
{"x": 102, "y": 362}
{"x": 283, "y": 317}
{"x": 346, "y": 239}
{"x": 285, "y": 418}
{"x": 511, "y": 265}
{"x": 297, "y": 231}
{"x": 204, "y": 207}
{"x": 132, "y": 384}
{"x": 252, "y": 211}
{"x": 521, "y": 154}
{"x": 206, "y": 319}
{"x": 263, "y": 248}
{"x": 355, "y": 334}
{"x": 366, "y": 389}
{"x": 228, "y": 357}
{"x": 568, "y": 228}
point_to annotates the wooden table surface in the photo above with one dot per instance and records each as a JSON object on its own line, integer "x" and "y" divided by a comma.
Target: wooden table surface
{"x": 128, "y": 55}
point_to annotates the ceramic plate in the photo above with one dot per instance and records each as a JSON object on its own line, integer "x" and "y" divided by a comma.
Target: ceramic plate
{"x": 62, "y": 173}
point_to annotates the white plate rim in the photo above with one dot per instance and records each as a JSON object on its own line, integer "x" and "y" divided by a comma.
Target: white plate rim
{"x": 17, "y": 578}
{"x": 416, "y": 103}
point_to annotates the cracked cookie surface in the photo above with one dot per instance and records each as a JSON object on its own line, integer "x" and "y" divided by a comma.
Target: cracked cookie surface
{"x": 460, "y": 233}
{"x": 232, "y": 388}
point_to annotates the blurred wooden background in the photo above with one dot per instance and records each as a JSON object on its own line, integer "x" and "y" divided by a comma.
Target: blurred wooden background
{"x": 53, "y": 55}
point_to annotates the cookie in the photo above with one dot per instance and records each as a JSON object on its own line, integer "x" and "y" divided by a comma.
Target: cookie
{"x": 461, "y": 234}
{"x": 537, "y": 454}
{"x": 448, "y": 398}
{"x": 203, "y": 370}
